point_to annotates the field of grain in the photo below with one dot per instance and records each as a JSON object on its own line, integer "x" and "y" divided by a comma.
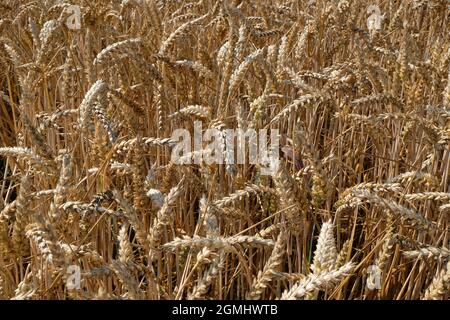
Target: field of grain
{"x": 94, "y": 207}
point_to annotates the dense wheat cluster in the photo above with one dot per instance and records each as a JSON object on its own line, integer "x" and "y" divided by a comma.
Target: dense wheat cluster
{"x": 357, "y": 209}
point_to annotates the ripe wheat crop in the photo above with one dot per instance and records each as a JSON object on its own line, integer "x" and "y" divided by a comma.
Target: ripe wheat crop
{"x": 93, "y": 205}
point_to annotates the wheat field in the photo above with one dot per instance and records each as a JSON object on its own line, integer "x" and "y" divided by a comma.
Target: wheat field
{"x": 94, "y": 207}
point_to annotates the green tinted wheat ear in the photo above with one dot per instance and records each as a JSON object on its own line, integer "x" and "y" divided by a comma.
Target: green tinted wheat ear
{"x": 343, "y": 255}
{"x": 318, "y": 189}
